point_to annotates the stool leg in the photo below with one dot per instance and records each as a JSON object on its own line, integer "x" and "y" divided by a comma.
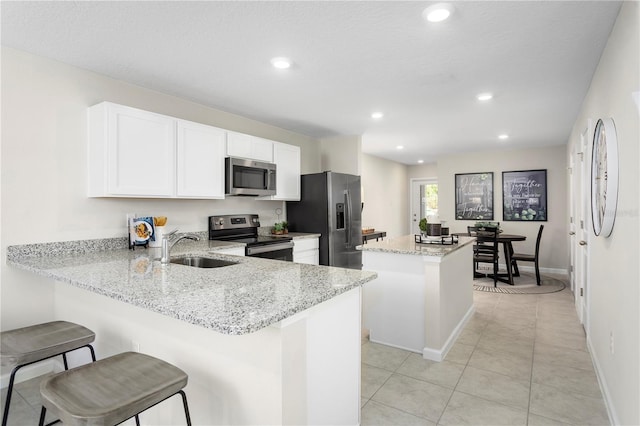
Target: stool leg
{"x": 64, "y": 358}
{"x": 186, "y": 407}
{"x": 137, "y": 420}
{"x": 93, "y": 354}
{"x": 43, "y": 414}
{"x": 5, "y": 416}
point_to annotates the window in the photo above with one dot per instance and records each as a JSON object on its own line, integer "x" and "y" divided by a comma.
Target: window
{"x": 429, "y": 199}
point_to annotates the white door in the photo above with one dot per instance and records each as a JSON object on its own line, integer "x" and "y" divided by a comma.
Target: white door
{"x": 582, "y": 228}
{"x": 574, "y": 173}
{"x": 424, "y": 201}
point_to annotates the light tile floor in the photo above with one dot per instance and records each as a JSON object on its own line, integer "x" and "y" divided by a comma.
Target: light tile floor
{"x": 521, "y": 360}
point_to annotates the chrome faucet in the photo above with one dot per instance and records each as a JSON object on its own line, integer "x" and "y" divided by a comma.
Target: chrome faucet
{"x": 168, "y": 242}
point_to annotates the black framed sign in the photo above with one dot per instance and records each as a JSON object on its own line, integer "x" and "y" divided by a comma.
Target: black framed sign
{"x": 474, "y": 196}
{"x": 524, "y": 195}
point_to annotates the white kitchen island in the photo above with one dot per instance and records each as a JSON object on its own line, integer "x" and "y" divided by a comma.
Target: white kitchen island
{"x": 423, "y": 295}
{"x": 263, "y": 341}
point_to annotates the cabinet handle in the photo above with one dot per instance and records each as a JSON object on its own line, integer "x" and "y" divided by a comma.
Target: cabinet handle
{"x": 583, "y": 243}
{"x": 572, "y": 233}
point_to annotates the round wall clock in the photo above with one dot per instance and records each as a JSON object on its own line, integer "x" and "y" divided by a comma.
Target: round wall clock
{"x": 604, "y": 177}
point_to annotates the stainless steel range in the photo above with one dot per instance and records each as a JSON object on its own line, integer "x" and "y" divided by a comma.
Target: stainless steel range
{"x": 243, "y": 228}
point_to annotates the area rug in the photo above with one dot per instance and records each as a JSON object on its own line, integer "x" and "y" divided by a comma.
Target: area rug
{"x": 524, "y": 284}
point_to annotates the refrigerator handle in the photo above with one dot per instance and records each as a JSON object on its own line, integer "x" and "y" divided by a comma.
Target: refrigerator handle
{"x": 348, "y": 208}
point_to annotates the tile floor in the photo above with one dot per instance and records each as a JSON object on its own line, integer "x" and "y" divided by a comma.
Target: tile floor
{"x": 521, "y": 360}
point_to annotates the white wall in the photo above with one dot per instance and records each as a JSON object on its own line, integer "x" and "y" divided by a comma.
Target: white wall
{"x": 423, "y": 171}
{"x": 341, "y": 154}
{"x": 553, "y": 252}
{"x": 385, "y": 187}
{"x": 613, "y": 289}
{"x": 44, "y": 176}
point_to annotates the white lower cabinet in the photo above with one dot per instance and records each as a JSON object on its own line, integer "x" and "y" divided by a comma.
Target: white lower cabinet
{"x": 305, "y": 250}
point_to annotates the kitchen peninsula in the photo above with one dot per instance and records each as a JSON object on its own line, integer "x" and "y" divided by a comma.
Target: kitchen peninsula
{"x": 263, "y": 341}
{"x": 423, "y": 295}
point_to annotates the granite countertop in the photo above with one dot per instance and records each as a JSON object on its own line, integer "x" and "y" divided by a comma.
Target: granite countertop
{"x": 237, "y": 299}
{"x": 299, "y": 235}
{"x": 406, "y": 244}
{"x": 266, "y": 231}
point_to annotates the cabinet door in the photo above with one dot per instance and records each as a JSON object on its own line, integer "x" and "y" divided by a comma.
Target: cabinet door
{"x": 141, "y": 156}
{"x": 306, "y": 251}
{"x": 262, "y": 149}
{"x": 287, "y": 159}
{"x": 251, "y": 147}
{"x": 200, "y": 160}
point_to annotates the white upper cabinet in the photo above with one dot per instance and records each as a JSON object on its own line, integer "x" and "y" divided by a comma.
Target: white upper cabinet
{"x": 136, "y": 153}
{"x": 251, "y": 147}
{"x": 287, "y": 160}
{"x": 131, "y": 152}
{"x": 200, "y": 160}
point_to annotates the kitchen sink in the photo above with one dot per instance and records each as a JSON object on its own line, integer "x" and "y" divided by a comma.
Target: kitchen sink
{"x": 202, "y": 262}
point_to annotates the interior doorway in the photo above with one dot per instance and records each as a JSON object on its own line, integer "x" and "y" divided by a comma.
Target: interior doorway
{"x": 580, "y": 225}
{"x": 424, "y": 202}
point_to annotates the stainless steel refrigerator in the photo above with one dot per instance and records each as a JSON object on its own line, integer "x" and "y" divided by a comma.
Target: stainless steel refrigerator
{"x": 330, "y": 205}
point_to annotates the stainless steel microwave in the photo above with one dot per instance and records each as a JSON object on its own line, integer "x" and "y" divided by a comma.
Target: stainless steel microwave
{"x": 249, "y": 177}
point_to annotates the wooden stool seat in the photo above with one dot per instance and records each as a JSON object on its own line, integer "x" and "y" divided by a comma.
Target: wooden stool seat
{"x": 111, "y": 390}
{"x": 38, "y": 342}
{"x": 28, "y": 345}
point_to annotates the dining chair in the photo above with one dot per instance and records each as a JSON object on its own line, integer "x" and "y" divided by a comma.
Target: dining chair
{"x": 485, "y": 250}
{"x": 528, "y": 257}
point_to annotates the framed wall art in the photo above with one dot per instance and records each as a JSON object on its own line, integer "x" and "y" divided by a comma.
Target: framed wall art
{"x": 474, "y": 196}
{"x": 524, "y": 195}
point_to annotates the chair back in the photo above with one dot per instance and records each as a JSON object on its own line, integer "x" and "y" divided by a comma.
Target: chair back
{"x": 538, "y": 240}
{"x": 487, "y": 240}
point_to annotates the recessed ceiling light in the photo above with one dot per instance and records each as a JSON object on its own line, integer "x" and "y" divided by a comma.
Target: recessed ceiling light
{"x": 484, "y": 96}
{"x": 438, "y": 12}
{"x": 281, "y": 62}
{"x": 420, "y": 161}
{"x": 503, "y": 136}
{"x": 377, "y": 115}
{"x": 399, "y": 147}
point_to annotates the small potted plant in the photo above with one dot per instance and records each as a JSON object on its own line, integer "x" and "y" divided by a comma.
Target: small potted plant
{"x": 423, "y": 225}
{"x": 285, "y": 226}
{"x": 278, "y": 229}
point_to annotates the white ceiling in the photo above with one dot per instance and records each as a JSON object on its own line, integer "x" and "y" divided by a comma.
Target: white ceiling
{"x": 351, "y": 58}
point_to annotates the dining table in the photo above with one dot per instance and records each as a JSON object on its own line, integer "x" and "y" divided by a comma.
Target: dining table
{"x": 506, "y": 240}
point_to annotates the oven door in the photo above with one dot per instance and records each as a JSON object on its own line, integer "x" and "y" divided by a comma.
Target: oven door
{"x": 280, "y": 251}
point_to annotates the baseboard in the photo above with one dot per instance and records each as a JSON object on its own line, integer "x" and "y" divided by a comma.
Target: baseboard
{"x": 608, "y": 403}
{"x": 392, "y": 345}
{"x": 439, "y": 354}
{"x": 30, "y": 371}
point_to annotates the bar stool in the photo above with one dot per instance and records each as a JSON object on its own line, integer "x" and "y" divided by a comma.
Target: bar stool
{"x": 112, "y": 390}
{"x": 27, "y": 345}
